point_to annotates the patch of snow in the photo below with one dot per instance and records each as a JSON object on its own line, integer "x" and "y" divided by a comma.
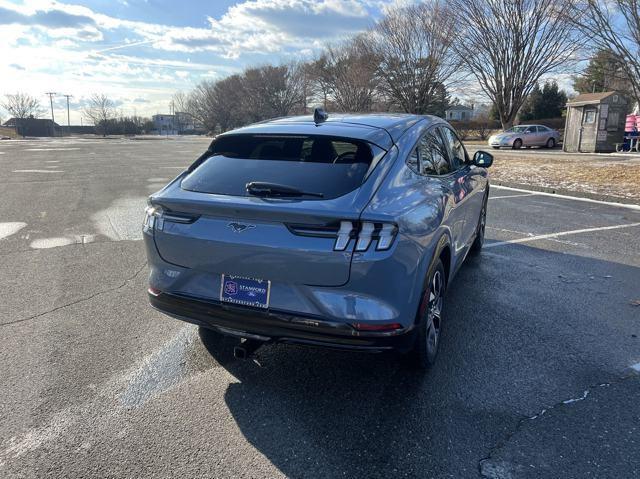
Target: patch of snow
{"x": 45, "y": 243}
{"x": 122, "y": 220}
{"x": 8, "y": 229}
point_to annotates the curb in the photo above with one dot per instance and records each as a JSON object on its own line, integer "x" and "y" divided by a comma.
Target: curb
{"x": 565, "y": 192}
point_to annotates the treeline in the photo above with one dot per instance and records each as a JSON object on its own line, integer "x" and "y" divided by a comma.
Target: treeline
{"x": 125, "y": 125}
{"x": 406, "y": 63}
{"x": 411, "y": 59}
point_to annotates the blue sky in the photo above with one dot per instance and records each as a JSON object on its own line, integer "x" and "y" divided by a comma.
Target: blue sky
{"x": 139, "y": 52}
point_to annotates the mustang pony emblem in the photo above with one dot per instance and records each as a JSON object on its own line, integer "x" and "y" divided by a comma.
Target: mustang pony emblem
{"x": 239, "y": 227}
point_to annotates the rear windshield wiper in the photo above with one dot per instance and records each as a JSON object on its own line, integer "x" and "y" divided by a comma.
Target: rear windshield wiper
{"x": 260, "y": 188}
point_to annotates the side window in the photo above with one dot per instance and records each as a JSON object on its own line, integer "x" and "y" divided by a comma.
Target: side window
{"x": 432, "y": 153}
{"x": 457, "y": 153}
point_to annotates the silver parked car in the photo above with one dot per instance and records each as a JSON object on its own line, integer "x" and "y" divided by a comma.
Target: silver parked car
{"x": 525, "y": 135}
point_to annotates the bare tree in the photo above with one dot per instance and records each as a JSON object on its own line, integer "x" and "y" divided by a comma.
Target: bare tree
{"x": 21, "y": 106}
{"x": 272, "y": 91}
{"x": 614, "y": 26}
{"x": 412, "y": 48}
{"x": 200, "y": 104}
{"x": 99, "y": 111}
{"x": 179, "y": 107}
{"x": 348, "y": 72}
{"x": 509, "y": 45}
{"x": 218, "y": 105}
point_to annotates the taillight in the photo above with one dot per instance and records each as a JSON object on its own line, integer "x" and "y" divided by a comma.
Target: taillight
{"x": 154, "y": 291}
{"x": 366, "y": 233}
{"x": 344, "y": 235}
{"x": 155, "y": 218}
{"x": 152, "y": 215}
{"x": 377, "y": 327}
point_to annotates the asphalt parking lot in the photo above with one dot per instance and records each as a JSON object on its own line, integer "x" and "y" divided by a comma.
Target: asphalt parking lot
{"x": 536, "y": 378}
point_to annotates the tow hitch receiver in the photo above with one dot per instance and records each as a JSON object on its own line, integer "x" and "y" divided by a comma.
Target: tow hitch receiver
{"x": 246, "y": 348}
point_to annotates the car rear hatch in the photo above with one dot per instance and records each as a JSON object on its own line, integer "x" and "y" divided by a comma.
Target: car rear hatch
{"x": 209, "y": 221}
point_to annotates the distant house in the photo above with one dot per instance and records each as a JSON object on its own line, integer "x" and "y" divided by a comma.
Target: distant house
{"x": 176, "y": 124}
{"x": 164, "y": 124}
{"x": 459, "y": 113}
{"x": 33, "y": 126}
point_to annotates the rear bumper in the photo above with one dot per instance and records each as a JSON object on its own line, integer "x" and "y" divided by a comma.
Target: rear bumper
{"x": 276, "y": 326}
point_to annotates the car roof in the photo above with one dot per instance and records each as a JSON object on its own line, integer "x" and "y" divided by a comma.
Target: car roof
{"x": 382, "y": 129}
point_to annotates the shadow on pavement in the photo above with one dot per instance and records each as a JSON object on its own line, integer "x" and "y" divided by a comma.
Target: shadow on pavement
{"x": 524, "y": 330}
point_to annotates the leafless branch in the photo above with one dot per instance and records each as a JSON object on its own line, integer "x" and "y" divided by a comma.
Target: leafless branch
{"x": 509, "y": 45}
{"x": 412, "y": 47}
{"x": 99, "y": 111}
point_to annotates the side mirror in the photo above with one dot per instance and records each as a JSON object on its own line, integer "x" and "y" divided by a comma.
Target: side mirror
{"x": 482, "y": 159}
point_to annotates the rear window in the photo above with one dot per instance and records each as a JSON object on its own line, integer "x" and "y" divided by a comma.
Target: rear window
{"x": 323, "y": 165}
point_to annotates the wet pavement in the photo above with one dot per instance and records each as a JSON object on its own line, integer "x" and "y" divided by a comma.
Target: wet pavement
{"x": 537, "y": 375}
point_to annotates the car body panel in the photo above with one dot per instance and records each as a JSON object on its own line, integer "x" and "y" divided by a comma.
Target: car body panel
{"x": 311, "y": 282}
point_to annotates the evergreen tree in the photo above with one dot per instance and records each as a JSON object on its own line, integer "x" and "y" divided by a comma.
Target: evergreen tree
{"x": 545, "y": 102}
{"x": 605, "y": 72}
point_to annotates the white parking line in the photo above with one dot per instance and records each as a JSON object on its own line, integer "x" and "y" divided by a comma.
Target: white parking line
{"x": 636, "y": 367}
{"x": 561, "y": 233}
{"x": 37, "y": 171}
{"x": 567, "y": 197}
{"x": 510, "y": 196}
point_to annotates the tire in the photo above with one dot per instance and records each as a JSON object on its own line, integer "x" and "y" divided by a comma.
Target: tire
{"x": 425, "y": 349}
{"x": 517, "y": 144}
{"x": 495, "y": 147}
{"x": 551, "y": 143}
{"x": 476, "y": 246}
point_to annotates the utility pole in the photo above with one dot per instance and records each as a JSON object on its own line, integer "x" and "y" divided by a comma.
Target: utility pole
{"x": 68, "y": 117}
{"x": 53, "y": 128}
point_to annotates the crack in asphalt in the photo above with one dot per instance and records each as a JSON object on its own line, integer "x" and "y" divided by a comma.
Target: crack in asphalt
{"x": 487, "y": 470}
{"x": 81, "y": 300}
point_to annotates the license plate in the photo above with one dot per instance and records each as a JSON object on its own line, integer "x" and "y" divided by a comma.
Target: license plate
{"x": 245, "y": 291}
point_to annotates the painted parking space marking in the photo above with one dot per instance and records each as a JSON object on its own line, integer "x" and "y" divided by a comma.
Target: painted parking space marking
{"x": 511, "y": 196}
{"x": 51, "y": 149}
{"x": 567, "y": 197}
{"x": 560, "y": 233}
{"x": 37, "y": 171}
{"x": 636, "y": 367}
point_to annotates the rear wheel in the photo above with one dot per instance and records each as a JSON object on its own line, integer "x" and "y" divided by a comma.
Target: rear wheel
{"x": 517, "y": 144}
{"x": 495, "y": 147}
{"x": 476, "y": 246}
{"x": 424, "y": 352}
{"x": 551, "y": 143}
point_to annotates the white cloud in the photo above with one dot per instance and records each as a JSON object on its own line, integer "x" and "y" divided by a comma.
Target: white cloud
{"x": 61, "y": 47}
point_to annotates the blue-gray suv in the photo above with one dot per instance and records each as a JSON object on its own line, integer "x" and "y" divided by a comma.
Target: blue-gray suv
{"x": 341, "y": 231}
